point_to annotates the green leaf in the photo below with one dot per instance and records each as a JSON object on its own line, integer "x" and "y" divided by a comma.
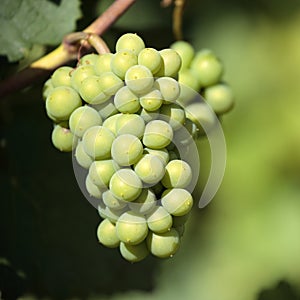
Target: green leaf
{"x": 24, "y": 23}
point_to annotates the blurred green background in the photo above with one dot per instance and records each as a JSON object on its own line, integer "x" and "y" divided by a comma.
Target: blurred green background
{"x": 245, "y": 245}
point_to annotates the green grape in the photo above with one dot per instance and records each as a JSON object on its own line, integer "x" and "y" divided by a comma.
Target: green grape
{"x": 130, "y": 124}
{"x": 125, "y": 185}
{"x": 144, "y": 203}
{"x": 207, "y": 67}
{"x": 185, "y": 51}
{"x": 111, "y": 123}
{"x": 201, "y": 115}
{"x": 111, "y": 201}
{"x": 111, "y": 214}
{"x": 47, "y": 88}
{"x": 101, "y": 171}
{"x": 158, "y": 134}
{"x": 106, "y": 109}
{"x": 149, "y": 115}
{"x": 159, "y": 220}
{"x": 134, "y": 253}
{"x": 219, "y": 97}
{"x": 165, "y": 244}
{"x": 88, "y": 59}
{"x": 110, "y": 83}
{"x": 62, "y": 77}
{"x": 130, "y": 41}
{"x": 97, "y": 141}
{"x": 173, "y": 114}
{"x": 171, "y": 63}
{"x": 126, "y": 101}
{"x": 132, "y": 228}
{"x": 61, "y": 102}
{"x": 92, "y": 189}
{"x": 150, "y": 58}
{"x": 83, "y": 159}
{"x": 82, "y": 119}
{"x": 150, "y": 169}
{"x": 178, "y": 174}
{"x": 102, "y": 63}
{"x": 169, "y": 88}
{"x": 139, "y": 79}
{"x": 179, "y": 221}
{"x": 177, "y": 201}
{"x": 79, "y": 74}
{"x": 62, "y": 138}
{"x": 107, "y": 234}
{"x": 122, "y": 61}
{"x": 152, "y": 100}
{"x": 189, "y": 78}
{"x": 91, "y": 92}
{"x": 163, "y": 154}
{"x": 126, "y": 149}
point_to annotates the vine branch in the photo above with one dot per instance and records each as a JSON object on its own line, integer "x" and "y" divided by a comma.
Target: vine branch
{"x": 62, "y": 54}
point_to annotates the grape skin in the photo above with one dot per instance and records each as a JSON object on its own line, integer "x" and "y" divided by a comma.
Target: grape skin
{"x": 152, "y": 100}
{"x": 219, "y": 97}
{"x": 134, "y": 253}
{"x": 126, "y": 101}
{"x": 178, "y": 174}
{"x": 171, "y": 63}
{"x": 130, "y": 41}
{"x": 107, "y": 234}
{"x": 158, "y": 134}
{"x": 150, "y": 58}
{"x": 111, "y": 201}
{"x": 126, "y": 149}
{"x": 130, "y": 124}
{"x": 169, "y": 88}
{"x": 132, "y": 228}
{"x": 92, "y": 189}
{"x": 100, "y": 172}
{"x": 125, "y": 185}
{"x": 165, "y": 244}
{"x": 82, "y": 119}
{"x": 177, "y": 201}
{"x": 159, "y": 220}
{"x": 82, "y": 158}
{"x": 61, "y": 77}
{"x": 62, "y": 138}
{"x": 185, "y": 51}
{"x": 61, "y": 102}
{"x": 122, "y": 61}
{"x": 79, "y": 74}
{"x": 139, "y": 79}
{"x": 150, "y": 169}
{"x": 91, "y": 92}
{"x": 97, "y": 141}
{"x": 102, "y": 63}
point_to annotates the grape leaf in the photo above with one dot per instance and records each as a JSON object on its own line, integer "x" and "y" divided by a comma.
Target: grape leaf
{"x": 24, "y": 23}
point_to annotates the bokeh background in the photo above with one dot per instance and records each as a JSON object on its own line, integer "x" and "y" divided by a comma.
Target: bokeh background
{"x": 244, "y": 246}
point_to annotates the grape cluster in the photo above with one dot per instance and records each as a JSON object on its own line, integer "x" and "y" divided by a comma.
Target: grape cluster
{"x": 121, "y": 113}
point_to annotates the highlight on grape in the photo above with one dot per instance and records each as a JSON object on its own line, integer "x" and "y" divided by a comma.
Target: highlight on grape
{"x": 132, "y": 119}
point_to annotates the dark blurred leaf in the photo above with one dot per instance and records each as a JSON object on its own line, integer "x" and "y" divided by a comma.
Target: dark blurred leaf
{"x": 27, "y": 22}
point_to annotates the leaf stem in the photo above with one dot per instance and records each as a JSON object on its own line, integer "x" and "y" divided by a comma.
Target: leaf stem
{"x": 61, "y": 55}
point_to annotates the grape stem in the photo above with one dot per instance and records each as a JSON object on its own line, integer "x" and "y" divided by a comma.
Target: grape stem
{"x": 63, "y": 54}
{"x": 177, "y": 16}
{"x": 74, "y": 42}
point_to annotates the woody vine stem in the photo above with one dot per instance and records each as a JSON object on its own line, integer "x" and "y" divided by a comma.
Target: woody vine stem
{"x": 68, "y": 50}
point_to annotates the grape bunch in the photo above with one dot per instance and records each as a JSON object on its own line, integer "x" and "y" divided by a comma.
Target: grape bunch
{"x": 122, "y": 115}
